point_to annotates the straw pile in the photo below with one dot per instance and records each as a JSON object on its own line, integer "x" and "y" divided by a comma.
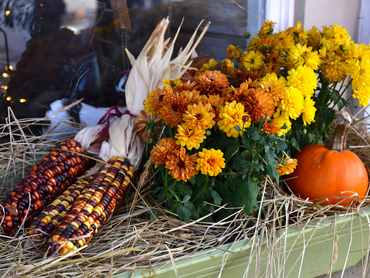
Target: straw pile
{"x": 142, "y": 235}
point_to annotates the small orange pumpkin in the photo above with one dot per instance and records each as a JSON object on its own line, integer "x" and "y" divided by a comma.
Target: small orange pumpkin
{"x": 329, "y": 173}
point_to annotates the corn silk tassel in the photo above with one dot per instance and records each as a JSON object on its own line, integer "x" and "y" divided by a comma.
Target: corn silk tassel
{"x": 56, "y": 172}
{"x": 123, "y": 148}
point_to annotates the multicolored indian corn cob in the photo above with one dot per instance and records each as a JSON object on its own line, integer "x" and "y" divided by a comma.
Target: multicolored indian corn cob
{"x": 93, "y": 207}
{"x": 44, "y": 224}
{"x": 56, "y": 172}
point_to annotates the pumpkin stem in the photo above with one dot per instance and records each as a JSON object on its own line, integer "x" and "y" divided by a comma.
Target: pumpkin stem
{"x": 338, "y": 141}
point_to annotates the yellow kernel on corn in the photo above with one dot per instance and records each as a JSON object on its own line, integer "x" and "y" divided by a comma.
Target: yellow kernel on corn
{"x": 53, "y": 213}
{"x": 65, "y": 203}
{"x": 64, "y": 251}
{"x": 87, "y": 223}
{"x": 95, "y": 199}
{"x": 47, "y": 219}
{"x": 90, "y": 220}
{"x": 89, "y": 208}
{"x": 75, "y": 224}
{"x": 69, "y": 245}
{"x": 98, "y": 209}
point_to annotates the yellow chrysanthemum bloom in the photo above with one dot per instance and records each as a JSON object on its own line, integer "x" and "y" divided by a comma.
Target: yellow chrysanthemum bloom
{"x": 286, "y": 166}
{"x": 227, "y": 67}
{"x": 210, "y": 65}
{"x": 360, "y": 74}
{"x": 232, "y": 115}
{"x": 210, "y": 162}
{"x": 199, "y": 116}
{"x": 267, "y": 29}
{"x": 301, "y": 55}
{"x": 363, "y": 96}
{"x": 252, "y": 60}
{"x": 336, "y": 33}
{"x": 299, "y": 35}
{"x": 282, "y": 122}
{"x": 314, "y": 38}
{"x": 189, "y": 137}
{"x": 304, "y": 79}
{"x": 282, "y": 42}
{"x": 333, "y": 68}
{"x": 254, "y": 44}
{"x": 292, "y": 103}
{"x": 171, "y": 83}
{"x": 361, "y": 52}
{"x": 154, "y": 101}
{"x": 233, "y": 52}
{"x": 309, "y": 110}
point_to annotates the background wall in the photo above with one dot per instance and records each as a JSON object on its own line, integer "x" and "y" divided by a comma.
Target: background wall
{"x": 327, "y": 12}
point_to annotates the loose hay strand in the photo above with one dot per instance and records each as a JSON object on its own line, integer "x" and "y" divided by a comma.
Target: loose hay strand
{"x": 130, "y": 241}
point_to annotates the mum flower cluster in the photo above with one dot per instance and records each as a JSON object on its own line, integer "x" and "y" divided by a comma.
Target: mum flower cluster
{"x": 210, "y": 103}
{"x": 214, "y": 135}
{"x": 196, "y": 129}
{"x": 313, "y": 62}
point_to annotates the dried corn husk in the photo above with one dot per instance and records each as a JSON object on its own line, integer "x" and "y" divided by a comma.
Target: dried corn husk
{"x": 148, "y": 71}
{"x": 154, "y": 64}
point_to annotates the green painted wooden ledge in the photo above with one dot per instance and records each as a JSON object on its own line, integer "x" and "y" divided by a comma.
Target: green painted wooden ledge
{"x": 296, "y": 252}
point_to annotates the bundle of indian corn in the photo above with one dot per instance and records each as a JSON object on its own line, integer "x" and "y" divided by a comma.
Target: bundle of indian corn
{"x": 63, "y": 201}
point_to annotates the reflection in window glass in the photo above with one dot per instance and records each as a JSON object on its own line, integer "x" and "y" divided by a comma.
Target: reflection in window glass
{"x": 72, "y": 49}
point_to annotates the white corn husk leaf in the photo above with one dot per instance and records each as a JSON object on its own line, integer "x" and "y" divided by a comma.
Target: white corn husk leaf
{"x": 88, "y": 135}
{"x": 123, "y": 141}
{"x": 148, "y": 70}
{"x": 154, "y": 64}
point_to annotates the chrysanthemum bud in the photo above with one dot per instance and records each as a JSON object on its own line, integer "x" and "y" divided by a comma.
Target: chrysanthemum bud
{"x": 246, "y": 118}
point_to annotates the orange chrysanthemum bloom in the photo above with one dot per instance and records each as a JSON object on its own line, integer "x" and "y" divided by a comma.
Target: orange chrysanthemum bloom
{"x": 240, "y": 94}
{"x": 154, "y": 102}
{"x": 259, "y": 104}
{"x": 212, "y": 83}
{"x": 165, "y": 147}
{"x": 216, "y": 103}
{"x": 199, "y": 116}
{"x": 270, "y": 127}
{"x": 192, "y": 96}
{"x": 185, "y": 86}
{"x": 273, "y": 85}
{"x": 189, "y": 137}
{"x": 182, "y": 166}
{"x": 271, "y": 68}
{"x": 286, "y": 166}
{"x": 146, "y": 125}
{"x": 174, "y": 106}
{"x": 233, "y": 52}
{"x": 210, "y": 162}
{"x": 241, "y": 76}
{"x": 227, "y": 66}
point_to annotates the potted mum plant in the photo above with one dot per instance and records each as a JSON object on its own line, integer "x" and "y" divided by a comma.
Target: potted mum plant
{"x": 214, "y": 136}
